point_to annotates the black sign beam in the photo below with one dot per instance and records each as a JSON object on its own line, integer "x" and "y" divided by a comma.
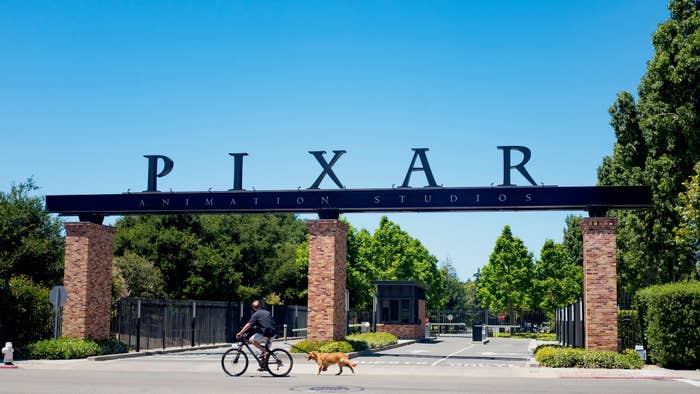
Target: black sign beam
{"x": 597, "y": 200}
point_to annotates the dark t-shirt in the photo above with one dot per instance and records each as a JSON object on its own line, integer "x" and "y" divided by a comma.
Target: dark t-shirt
{"x": 262, "y": 320}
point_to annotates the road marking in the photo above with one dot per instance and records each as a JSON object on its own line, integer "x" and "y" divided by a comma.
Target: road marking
{"x": 450, "y": 355}
{"x": 689, "y": 381}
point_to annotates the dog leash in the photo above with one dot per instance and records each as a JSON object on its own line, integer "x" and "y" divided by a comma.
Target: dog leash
{"x": 297, "y": 348}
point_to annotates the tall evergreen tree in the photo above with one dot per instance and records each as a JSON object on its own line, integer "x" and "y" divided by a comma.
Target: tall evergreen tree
{"x": 688, "y": 232}
{"x": 506, "y": 284}
{"x": 559, "y": 280}
{"x": 658, "y": 144}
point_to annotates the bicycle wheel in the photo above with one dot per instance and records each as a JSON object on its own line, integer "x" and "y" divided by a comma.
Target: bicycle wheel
{"x": 234, "y": 362}
{"x": 280, "y": 362}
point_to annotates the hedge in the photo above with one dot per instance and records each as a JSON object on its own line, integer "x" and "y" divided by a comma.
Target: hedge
{"x": 670, "y": 317}
{"x": 352, "y": 343}
{"x": 567, "y": 357}
{"x": 70, "y": 348}
{"x": 527, "y": 335}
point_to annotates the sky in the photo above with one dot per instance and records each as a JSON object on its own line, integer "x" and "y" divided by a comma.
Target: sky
{"x": 88, "y": 88}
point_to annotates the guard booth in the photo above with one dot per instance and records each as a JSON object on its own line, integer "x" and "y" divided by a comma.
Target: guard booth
{"x": 399, "y": 308}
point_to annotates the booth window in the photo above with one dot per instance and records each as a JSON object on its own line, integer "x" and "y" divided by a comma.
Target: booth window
{"x": 397, "y": 311}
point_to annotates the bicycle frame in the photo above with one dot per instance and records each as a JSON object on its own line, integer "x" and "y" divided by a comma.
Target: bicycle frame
{"x": 244, "y": 342}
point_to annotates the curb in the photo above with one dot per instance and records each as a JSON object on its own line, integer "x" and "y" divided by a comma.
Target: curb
{"x": 370, "y": 352}
{"x": 108, "y": 357}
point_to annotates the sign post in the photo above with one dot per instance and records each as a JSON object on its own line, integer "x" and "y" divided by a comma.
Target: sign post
{"x": 57, "y": 297}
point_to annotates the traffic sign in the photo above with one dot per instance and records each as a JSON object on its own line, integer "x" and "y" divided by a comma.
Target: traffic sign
{"x": 58, "y": 296}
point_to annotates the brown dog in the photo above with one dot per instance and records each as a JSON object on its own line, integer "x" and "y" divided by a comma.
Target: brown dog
{"x": 325, "y": 359}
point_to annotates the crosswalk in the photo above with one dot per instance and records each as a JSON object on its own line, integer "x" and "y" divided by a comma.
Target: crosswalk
{"x": 456, "y": 364}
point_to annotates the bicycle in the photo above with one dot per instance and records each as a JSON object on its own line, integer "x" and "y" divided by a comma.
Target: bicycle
{"x": 235, "y": 361}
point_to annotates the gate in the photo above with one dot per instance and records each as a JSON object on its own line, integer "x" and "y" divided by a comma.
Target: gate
{"x": 569, "y": 325}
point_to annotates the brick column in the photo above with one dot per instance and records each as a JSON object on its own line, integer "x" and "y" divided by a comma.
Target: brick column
{"x": 327, "y": 280}
{"x": 87, "y": 278}
{"x": 600, "y": 283}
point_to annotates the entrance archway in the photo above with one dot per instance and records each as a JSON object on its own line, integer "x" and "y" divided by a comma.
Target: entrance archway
{"x": 88, "y": 258}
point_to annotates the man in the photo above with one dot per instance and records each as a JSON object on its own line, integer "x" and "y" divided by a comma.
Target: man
{"x": 264, "y": 326}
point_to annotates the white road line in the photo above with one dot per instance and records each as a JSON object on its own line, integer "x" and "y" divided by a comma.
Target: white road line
{"x": 689, "y": 381}
{"x": 450, "y": 355}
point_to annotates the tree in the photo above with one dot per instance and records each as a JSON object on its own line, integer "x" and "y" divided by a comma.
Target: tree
{"x": 472, "y": 304}
{"x": 31, "y": 260}
{"x": 455, "y": 291}
{"x": 573, "y": 239}
{"x": 30, "y": 239}
{"x": 141, "y": 277}
{"x": 220, "y": 257}
{"x": 559, "y": 280}
{"x": 360, "y": 269}
{"x": 688, "y": 232}
{"x": 658, "y": 144}
{"x": 506, "y": 281}
{"x": 397, "y": 256}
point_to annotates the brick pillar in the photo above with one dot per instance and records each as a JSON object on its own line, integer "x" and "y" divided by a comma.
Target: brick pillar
{"x": 327, "y": 280}
{"x": 600, "y": 283}
{"x": 87, "y": 278}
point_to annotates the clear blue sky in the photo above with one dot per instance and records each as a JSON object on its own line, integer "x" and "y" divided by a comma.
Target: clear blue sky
{"x": 89, "y": 87}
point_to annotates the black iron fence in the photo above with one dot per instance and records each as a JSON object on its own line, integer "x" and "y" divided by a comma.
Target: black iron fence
{"x": 144, "y": 323}
{"x": 569, "y": 325}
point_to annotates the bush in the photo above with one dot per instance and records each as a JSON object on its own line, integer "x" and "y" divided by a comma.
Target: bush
{"x": 25, "y": 311}
{"x": 526, "y": 335}
{"x": 307, "y": 345}
{"x": 336, "y": 346}
{"x": 63, "y": 348}
{"x": 352, "y": 343}
{"x": 357, "y": 345}
{"x": 374, "y": 339}
{"x": 670, "y": 317}
{"x": 112, "y": 346}
{"x": 566, "y": 357}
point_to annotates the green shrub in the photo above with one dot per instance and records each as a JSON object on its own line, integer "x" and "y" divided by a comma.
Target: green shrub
{"x": 336, "y": 346}
{"x": 546, "y": 345}
{"x": 628, "y": 330}
{"x": 566, "y": 357}
{"x": 112, "y": 346}
{"x": 63, "y": 348}
{"x": 527, "y": 335}
{"x": 307, "y": 345}
{"x": 26, "y": 311}
{"x": 352, "y": 343}
{"x": 632, "y": 358}
{"x": 357, "y": 345}
{"x": 670, "y": 319}
{"x": 374, "y": 339}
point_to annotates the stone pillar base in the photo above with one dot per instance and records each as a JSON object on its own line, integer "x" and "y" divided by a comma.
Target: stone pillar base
{"x": 327, "y": 319}
{"x": 600, "y": 283}
{"x": 87, "y": 278}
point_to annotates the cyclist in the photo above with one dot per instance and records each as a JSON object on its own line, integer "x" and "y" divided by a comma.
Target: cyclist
{"x": 263, "y": 324}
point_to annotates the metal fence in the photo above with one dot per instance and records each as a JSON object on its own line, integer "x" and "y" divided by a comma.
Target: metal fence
{"x": 569, "y": 325}
{"x": 157, "y": 323}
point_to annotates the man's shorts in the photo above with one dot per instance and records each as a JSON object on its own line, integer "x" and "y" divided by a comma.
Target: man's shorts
{"x": 258, "y": 337}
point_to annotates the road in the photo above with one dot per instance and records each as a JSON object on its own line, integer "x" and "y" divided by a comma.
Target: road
{"x": 452, "y": 365}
